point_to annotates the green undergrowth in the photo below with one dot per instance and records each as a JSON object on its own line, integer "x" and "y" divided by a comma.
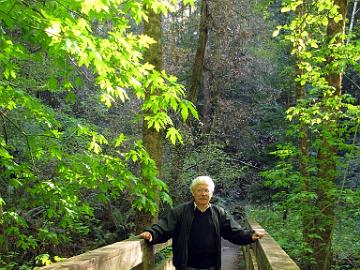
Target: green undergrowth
{"x": 163, "y": 255}
{"x": 285, "y": 228}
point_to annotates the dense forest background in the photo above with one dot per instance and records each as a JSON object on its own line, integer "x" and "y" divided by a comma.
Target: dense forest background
{"x": 109, "y": 109}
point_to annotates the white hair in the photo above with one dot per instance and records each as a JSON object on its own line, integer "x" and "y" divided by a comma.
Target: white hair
{"x": 206, "y": 180}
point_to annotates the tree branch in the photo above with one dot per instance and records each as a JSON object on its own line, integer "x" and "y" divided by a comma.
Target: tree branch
{"x": 352, "y": 81}
{"x": 3, "y": 115}
{"x": 4, "y": 129}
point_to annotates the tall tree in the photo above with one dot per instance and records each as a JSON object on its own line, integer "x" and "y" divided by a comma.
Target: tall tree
{"x": 50, "y": 160}
{"x": 328, "y": 151}
{"x": 321, "y": 118}
{"x": 198, "y": 65}
{"x": 303, "y": 142}
{"x": 195, "y": 84}
{"x": 352, "y": 20}
{"x": 152, "y": 138}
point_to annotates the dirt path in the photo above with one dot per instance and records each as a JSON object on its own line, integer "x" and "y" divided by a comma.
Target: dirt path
{"x": 231, "y": 256}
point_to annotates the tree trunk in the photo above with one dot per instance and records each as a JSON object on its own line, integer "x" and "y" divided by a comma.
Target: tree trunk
{"x": 198, "y": 66}
{"x": 327, "y": 157}
{"x": 307, "y": 211}
{"x": 352, "y": 20}
{"x": 206, "y": 106}
{"x": 195, "y": 83}
{"x": 151, "y": 138}
{"x": 307, "y": 206}
{"x": 3, "y": 248}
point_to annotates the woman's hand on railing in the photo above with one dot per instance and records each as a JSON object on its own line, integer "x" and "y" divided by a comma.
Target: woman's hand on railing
{"x": 146, "y": 236}
{"x": 258, "y": 234}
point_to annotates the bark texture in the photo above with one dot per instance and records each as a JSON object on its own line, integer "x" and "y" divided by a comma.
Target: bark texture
{"x": 325, "y": 221}
{"x": 153, "y": 140}
{"x": 195, "y": 84}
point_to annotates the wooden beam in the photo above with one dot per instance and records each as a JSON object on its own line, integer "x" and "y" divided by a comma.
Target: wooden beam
{"x": 268, "y": 253}
{"x": 165, "y": 265}
{"x": 121, "y": 255}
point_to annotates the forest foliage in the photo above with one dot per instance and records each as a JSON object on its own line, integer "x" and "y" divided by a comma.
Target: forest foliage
{"x": 55, "y": 166}
{"x": 73, "y": 95}
{"x": 312, "y": 176}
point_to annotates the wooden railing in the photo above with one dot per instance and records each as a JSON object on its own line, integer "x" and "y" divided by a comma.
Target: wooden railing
{"x": 266, "y": 254}
{"x": 134, "y": 253}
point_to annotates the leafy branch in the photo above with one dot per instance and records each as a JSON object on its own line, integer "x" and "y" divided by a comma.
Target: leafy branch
{"x": 4, "y": 116}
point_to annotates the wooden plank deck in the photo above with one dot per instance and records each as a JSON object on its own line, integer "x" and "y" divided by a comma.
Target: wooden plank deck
{"x": 232, "y": 257}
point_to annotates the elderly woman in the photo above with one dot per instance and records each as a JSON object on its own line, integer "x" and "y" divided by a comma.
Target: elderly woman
{"x": 196, "y": 228}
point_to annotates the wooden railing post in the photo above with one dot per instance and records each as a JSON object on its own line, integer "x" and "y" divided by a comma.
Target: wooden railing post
{"x": 246, "y": 252}
{"x": 266, "y": 254}
{"x": 149, "y": 258}
{"x": 250, "y": 258}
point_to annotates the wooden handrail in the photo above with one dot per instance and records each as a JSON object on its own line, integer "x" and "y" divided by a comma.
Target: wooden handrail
{"x": 266, "y": 253}
{"x": 133, "y": 253}
{"x": 136, "y": 254}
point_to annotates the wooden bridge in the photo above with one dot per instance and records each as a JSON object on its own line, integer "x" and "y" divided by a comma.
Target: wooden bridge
{"x": 136, "y": 254}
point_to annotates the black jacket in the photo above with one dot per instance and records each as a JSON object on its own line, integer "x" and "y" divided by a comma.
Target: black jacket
{"x": 177, "y": 225}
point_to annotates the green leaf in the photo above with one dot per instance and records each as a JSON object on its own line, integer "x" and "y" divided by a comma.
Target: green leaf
{"x": 173, "y": 134}
{"x": 54, "y": 29}
{"x": 120, "y": 140}
{"x": 93, "y": 146}
{"x": 285, "y": 9}
{"x": 70, "y": 98}
{"x": 96, "y": 5}
{"x": 190, "y": 2}
{"x": 184, "y": 111}
{"x": 275, "y": 33}
{"x": 166, "y": 198}
{"x": 52, "y": 84}
{"x": 193, "y": 110}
